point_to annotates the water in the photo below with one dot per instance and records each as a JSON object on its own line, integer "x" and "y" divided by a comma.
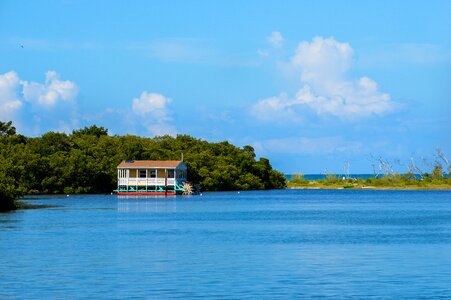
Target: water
{"x": 268, "y": 244}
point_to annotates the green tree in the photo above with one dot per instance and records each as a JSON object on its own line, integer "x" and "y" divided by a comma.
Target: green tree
{"x": 9, "y": 190}
{"x": 86, "y": 160}
{"x": 91, "y": 130}
{"x": 7, "y": 129}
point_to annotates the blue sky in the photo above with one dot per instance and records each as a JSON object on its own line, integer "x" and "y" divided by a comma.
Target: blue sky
{"x": 309, "y": 84}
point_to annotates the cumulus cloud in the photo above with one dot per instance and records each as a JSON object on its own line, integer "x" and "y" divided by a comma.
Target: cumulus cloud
{"x": 322, "y": 59}
{"x": 153, "y": 112}
{"x": 51, "y": 92}
{"x": 325, "y": 89}
{"x": 9, "y": 98}
{"x": 36, "y": 107}
{"x": 275, "y": 108}
{"x": 151, "y": 103}
{"x": 349, "y": 100}
{"x": 275, "y": 39}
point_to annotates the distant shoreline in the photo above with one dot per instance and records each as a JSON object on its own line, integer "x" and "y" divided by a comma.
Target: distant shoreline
{"x": 373, "y": 188}
{"x": 438, "y": 180}
{"x": 323, "y": 176}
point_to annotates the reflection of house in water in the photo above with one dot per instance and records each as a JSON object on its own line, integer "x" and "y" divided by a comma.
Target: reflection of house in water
{"x": 151, "y": 177}
{"x": 157, "y": 204}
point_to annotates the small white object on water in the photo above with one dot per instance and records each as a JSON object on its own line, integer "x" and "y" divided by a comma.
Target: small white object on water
{"x": 238, "y": 192}
{"x": 67, "y": 195}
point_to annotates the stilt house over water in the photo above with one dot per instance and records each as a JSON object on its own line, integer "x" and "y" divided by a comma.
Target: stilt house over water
{"x": 151, "y": 177}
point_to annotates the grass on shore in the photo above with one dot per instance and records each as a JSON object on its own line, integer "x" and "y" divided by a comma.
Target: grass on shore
{"x": 392, "y": 182}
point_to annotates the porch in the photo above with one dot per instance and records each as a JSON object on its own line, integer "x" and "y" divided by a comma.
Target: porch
{"x": 151, "y": 177}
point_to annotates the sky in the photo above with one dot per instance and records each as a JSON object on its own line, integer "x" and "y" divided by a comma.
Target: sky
{"x": 311, "y": 85}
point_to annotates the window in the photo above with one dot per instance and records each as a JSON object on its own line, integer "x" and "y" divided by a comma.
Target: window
{"x": 153, "y": 174}
{"x": 171, "y": 173}
{"x": 142, "y": 174}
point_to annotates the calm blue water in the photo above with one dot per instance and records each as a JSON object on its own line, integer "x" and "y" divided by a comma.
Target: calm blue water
{"x": 273, "y": 244}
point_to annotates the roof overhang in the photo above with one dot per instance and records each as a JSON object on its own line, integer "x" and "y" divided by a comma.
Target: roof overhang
{"x": 152, "y": 164}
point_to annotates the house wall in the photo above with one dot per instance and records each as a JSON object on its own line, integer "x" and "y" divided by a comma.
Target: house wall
{"x": 134, "y": 173}
{"x": 160, "y": 173}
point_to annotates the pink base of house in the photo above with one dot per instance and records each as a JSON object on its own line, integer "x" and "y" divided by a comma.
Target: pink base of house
{"x": 146, "y": 193}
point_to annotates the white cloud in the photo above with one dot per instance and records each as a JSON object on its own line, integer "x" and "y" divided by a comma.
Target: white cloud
{"x": 9, "y": 99}
{"x": 351, "y": 100}
{"x": 275, "y": 39}
{"x": 38, "y": 107}
{"x": 275, "y": 109}
{"x": 152, "y": 110}
{"x": 322, "y": 59}
{"x": 51, "y": 92}
{"x": 152, "y": 103}
{"x": 325, "y": 89}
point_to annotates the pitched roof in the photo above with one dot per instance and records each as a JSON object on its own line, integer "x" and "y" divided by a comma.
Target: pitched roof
{"x": 149, "y": 164}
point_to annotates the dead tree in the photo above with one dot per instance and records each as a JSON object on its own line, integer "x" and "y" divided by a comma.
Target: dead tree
{"x": 346, "y": 169}
{"x": 415, "y": 168}
{"x": 425, "y": 163}
{"x": 373, "y": 161}
{"x": 386, "y": 165}
{"x": 440, "y": 156}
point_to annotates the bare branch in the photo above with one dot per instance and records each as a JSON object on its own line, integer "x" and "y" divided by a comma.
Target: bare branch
{"x": 441, "y": 155}
{"x": 346, "y": 169}
{"x": 415, "y": 168}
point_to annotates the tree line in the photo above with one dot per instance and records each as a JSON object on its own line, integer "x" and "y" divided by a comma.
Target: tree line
{"x": 85, "y": 161}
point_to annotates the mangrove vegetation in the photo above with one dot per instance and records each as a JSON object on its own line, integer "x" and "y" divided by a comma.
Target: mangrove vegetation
{"x": 85, "y": 161}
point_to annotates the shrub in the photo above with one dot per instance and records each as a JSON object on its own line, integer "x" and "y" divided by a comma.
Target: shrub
{"x": 331, "y": 179}
{"x": 437, "y": 172}
{"x": 298, "y": 178}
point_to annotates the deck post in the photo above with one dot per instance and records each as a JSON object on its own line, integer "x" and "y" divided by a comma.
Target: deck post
{"x": 166, "y": 182}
